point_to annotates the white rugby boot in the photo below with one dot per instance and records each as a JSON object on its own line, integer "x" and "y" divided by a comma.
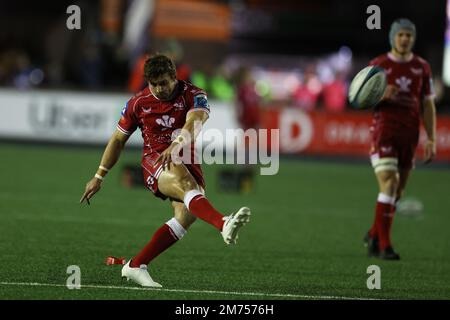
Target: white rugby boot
{"x": 233, "y": 223}
{"x": 139, "y": 275}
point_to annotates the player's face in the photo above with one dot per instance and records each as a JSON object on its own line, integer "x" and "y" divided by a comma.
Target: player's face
{"x": 163, "y": 86}
{"x": 404, "y": 41}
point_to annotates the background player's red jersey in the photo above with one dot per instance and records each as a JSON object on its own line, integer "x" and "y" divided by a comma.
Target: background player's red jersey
{"x": 248, "y": 106}
{"x": 401, "y": 115}
{"x": 159, "y": 120}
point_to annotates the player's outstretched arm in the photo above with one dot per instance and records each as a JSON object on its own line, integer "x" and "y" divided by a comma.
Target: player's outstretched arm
{"x": 189, "y": 132}
{"x": 110, "y": 156}
{"x": 429, "y": 121}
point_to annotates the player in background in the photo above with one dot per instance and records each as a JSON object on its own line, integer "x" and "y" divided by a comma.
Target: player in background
{"x": 247, "y": 104}
{"x": 247, "y": 100}
{"x": 167, "y": 111}
{"x": 395, "y": 130}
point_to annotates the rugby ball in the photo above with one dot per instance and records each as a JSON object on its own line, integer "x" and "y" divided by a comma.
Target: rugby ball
{"x": 367, "y": 87}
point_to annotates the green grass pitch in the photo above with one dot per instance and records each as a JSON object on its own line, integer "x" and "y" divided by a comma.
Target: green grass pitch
{"x": 304, "y": 240}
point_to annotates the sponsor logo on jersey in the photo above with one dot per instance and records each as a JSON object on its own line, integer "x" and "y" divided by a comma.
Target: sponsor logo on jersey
{"x": 166, "y": 122}
{"x": 178, "y": 105}
{"x": 417, "y": 71}
{"x": 403, "y": 83}
{"x": 386, "y": 149}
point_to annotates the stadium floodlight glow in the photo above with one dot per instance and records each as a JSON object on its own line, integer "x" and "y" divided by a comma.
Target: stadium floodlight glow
{"x": 446, "y": 64}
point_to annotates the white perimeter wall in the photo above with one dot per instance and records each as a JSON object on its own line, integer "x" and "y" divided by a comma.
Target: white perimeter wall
{"x": 72, "y": 117}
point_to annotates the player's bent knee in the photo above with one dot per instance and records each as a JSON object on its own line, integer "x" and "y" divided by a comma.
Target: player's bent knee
{"x": 391, "y": 179}
{"x": 389, "y": 183}
{"x": 394, "y": 179}
{"x": 183, "y": 216}
{"x": 388, "y": 178}
{"x": 188, "y": 220}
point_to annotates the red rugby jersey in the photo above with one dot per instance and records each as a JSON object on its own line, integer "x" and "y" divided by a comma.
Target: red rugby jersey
{"x": 414, "y": 80}
{"x": 160, "y": 121}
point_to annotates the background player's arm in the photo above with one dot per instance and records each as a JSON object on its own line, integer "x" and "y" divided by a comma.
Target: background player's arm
{"x": 390, "y": 92}
{"x": 110, "y": 156}
{"x": 429, "y": 121}
{"x": 189, "y": 132}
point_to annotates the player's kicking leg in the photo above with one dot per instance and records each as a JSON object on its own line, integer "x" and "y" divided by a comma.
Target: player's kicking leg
{"x": 178, "y": 183}
{"x": 169, "y": 233}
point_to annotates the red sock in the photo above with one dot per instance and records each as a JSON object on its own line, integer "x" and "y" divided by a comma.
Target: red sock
{"x": 384, "y": 214}
{"x": 200, "y": 207}
{"x": 163, "y": 238}
{"x": 373, "y": 232}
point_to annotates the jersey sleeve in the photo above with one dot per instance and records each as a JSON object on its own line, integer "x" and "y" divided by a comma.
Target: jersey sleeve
{"x": 427, "y": 87}
{"x": 128, "y": 122}
{"x": 375, "y": 62}
{"x": 198, "y": 100}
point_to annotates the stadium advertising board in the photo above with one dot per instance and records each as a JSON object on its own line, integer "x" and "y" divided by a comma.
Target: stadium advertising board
{"x": 338, "y": 134}
{"x": 71, "y": 117}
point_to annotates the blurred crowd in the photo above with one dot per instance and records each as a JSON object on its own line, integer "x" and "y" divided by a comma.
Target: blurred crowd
{"x": 308, "y": 89}
{"x": 108, "y": 54}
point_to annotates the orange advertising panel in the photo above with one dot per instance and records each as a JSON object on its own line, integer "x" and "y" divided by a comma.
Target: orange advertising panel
{"x": 110, "y": 15}
{"x": 203, "y": 20}
{"x": 340, "y": 134}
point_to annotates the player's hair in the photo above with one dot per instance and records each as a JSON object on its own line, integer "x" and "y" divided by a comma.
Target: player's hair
{"x": 157, "y": 66}
{"x": 401, "y": 23}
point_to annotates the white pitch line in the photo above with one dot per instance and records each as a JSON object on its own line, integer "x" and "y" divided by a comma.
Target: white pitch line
{"x": 258, "y": 294}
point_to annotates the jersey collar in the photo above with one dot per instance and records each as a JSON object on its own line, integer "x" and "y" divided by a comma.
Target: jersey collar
{"x": 395, "y": 59}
